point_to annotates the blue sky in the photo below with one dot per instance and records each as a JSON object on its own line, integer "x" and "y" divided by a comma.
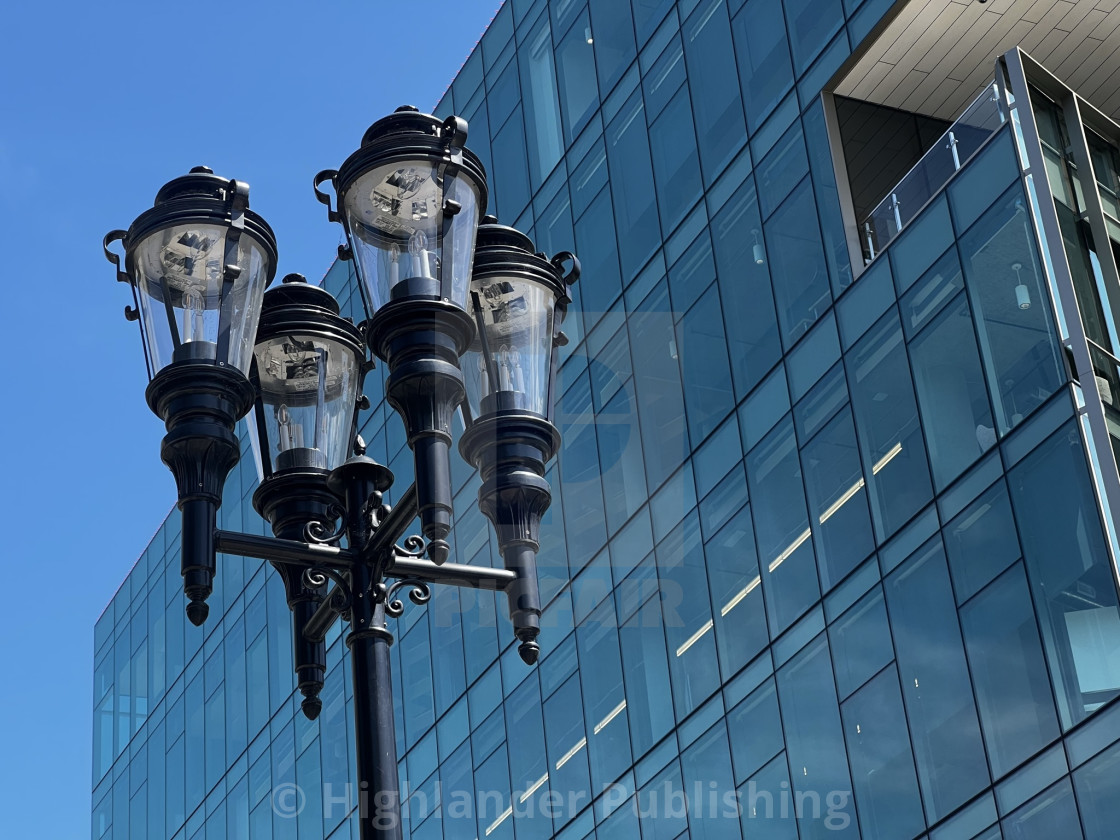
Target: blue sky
{"x": 100, "y": 104}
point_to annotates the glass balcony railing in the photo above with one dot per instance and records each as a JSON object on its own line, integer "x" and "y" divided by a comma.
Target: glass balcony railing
{"x": 930, "y": 174}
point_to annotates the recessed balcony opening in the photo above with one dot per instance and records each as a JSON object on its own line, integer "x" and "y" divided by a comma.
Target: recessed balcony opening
{"x": 919, "y": 96}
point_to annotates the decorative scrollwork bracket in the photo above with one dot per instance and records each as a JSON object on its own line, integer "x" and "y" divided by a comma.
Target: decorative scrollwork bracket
{"x": 419, "y": 593}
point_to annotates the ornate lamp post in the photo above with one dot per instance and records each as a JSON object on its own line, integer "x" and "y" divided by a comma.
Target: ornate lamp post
{"x": 216, "y": 345}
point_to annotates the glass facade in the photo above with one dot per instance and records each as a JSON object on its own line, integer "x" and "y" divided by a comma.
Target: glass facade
{"x": 830, "y": 552}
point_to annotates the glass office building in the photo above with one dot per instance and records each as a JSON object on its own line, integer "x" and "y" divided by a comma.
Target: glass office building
{"x": 833, "y": 552}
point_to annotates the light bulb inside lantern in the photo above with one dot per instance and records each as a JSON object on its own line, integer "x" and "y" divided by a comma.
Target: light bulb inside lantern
{"x": 192, "y": 314}
{"x": 418, "y": 250}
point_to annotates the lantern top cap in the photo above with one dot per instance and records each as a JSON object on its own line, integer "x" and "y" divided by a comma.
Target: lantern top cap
{"x": 294, "y": 290}
{"x": 501, "y": 249}
{"x": 492, "y": 234}
{"x": 200, "y": 181}
{"x": 407, "y": 119}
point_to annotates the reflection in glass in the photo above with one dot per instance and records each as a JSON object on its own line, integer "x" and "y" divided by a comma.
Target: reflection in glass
{"x": 890, "y": 436}
{"x": 1018, "y": 345}
{"x": 886, "y": 789}
{"x": 782, "y": 527}
{"x": 936, "y": 688}
{"x": 951, "y": 393}
{"x": 1008, "y": 671}
{"x": 1070, "y": 573}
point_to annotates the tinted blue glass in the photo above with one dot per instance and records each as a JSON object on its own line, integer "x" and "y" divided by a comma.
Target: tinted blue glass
{"x": 598, "y": 257}
{"x": 837, "y": 494}
{"x": 647, "y": 15}
{"x": 676, "y": 163}
{"x": 716, "y": 100}
{"x": 646, "y": 672}
{"x": 664, "y": 77}
{"x": 691, "y": 274}
{"x": 702, "y": 352}
{"x": 924, "y": 240}
{"x": 1098, "y": 794}
{"x": 937, "y": 692}
{"x": 663, "y": 805}
{"x": 613, "y": 32}
{"x": 796, "y": 257}
{"x": 1071, "y": 577}
{"x": 579, "y": 93}
{"x": 632, "y": 185}
{"x": 782, "y": 529}
{"x": 734, "y": 580}
{"x": 620, "y": 458}
{"x": 782, "y": 167}
{"x": 604, "y": 699}
{"x": 539, "y": 96}
{"x": 982, "y": 180}
{"x": 894, "y": 459}
{"x": 579, "y": 472}
{"x": 706, "y": 766}
{"x": 765, "y": 69}
{"x": 951, "y": 393}
{"x": 687, "y": 612}
{"x": 744, "y": 283}
{"x": 755, "y": 728}
{"x": 566, "y": 736}
{"x": 1019, "y": 346}
{"x": 815, "y": 745}
{"x": 504, "y": 95}
{"x": 886, "y": 789}
{"x": 658, "y": 386}
{"x": 931, "y": 293}
{"x": 511, "y": 177}
{"x": 1053, "y": 813}
{"x": 861, "y": 642}
{"x": 812, "y": 24}
{"x": 982, "y": 541}
{"x": 1009, "y": 671}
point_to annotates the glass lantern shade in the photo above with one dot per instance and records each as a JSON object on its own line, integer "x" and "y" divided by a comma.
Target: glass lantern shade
{"x": 185, "y": 301}
{"x": 308, "y": 372}
{"x": 403, "y": 240}
{"x": 513, "y": 354}
{"x": 308, "y": 393}
{"x": 519, "y": 299}
{"x": 198, "y": 262}
{"x": 410, "y": 199}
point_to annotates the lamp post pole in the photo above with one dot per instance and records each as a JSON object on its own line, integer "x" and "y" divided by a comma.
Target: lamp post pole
{"x": 216, "y": 346}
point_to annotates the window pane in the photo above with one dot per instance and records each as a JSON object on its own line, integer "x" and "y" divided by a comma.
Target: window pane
{"x": 579, "y": 472}
{"x": 646, "y": 671}
{"x": 861, "y": 642}
{"x": 716, "y": 101}
{"x": 511, "y": 176}
{"x": 766, "y": 805}
{"x": 765, "y": 69}
{"x": 837, "y": 500}
{"x": 706, "y": 766}
{"x": 539, "y": 94}
{"x": 687, "y": 612}
{"x": 620, "y": 458}
{"x": 613, "y": 32}
{"x": 632, "y": 184}
{"x": 676, "y": 163}
{"x": 755, "y": 727}
{"x": 704, "y": 367}
{"x": 604, "y": 699}
{"x": 936, "y": 688}
{"x": 894, "y": 457}
{"x": 598, "y": 257}
{"x": 1008, "y": 670}
{"x": 1098, "y": 794}
{"x": 1018, "y": 345}
{"x": 744, "y": 285}
{"x": 812, "y": 24}
{"x": 579, "y": 93}
{"x": 951, "y": 393}
{"x": 782, "y": 527}
{"x": 1053, "y": 813}
{"x": 793, "y": 245}
{"x": 814, "y": 741}
{"x": 882, "y": 763}
{"x": 1070, "y": 573}
{"x": 981, "y": 542}
{"x": 734, "y": 579}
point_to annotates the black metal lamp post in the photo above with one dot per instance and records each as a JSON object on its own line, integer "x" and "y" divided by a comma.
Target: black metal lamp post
{"x": 198, "y": 262}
